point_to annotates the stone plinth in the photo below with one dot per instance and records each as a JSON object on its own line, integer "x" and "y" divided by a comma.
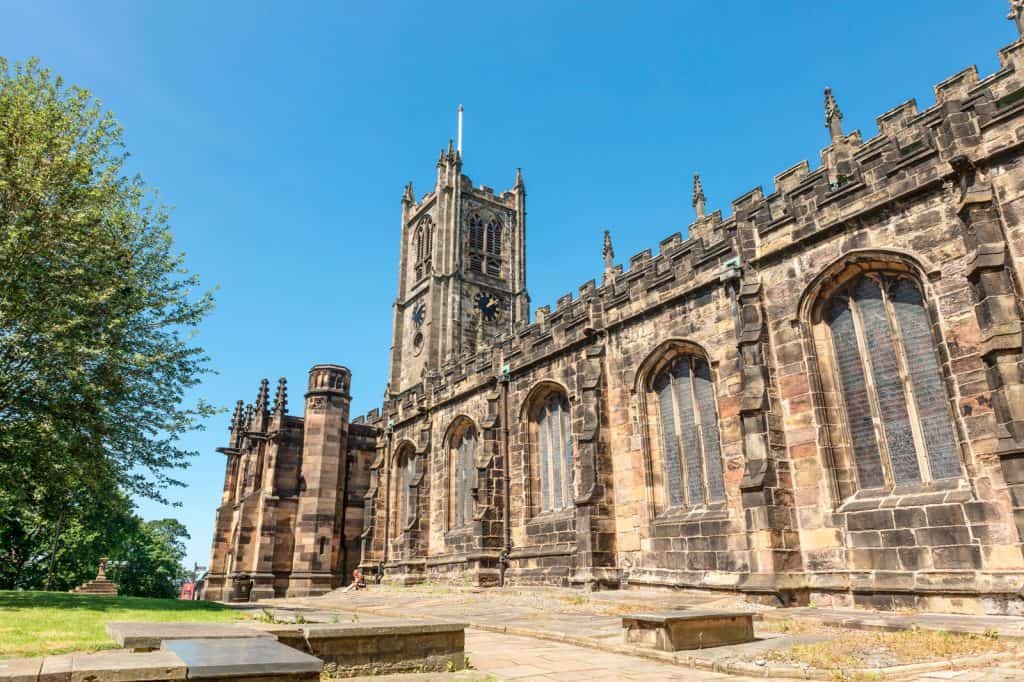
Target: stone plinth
{"x": 679, "y": 630}
{"x": 99, "y": 585}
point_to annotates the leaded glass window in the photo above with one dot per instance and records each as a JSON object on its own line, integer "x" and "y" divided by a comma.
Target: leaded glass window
{"x": 691, "y": 448}
{"x": 462, "y": 470}
{"x": 554, "y": 450}
{"x": 890, "y": 384}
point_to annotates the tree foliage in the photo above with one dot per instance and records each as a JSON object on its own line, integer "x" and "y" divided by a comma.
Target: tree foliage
{"x": 97, "y": 317}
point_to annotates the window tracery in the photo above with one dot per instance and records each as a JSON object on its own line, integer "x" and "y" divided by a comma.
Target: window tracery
{"x": 889, "y": 390}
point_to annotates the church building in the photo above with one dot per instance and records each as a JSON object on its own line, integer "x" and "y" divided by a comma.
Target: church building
{"x": 816, "y": 399}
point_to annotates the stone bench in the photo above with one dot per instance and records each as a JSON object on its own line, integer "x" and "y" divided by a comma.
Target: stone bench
{"x": 679, "y": 630}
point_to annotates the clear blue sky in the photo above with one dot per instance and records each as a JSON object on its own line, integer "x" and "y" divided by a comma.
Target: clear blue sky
{"x": 284, "y": 133}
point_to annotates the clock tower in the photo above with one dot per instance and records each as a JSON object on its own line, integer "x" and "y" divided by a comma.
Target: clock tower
{"x": 462, "y": 271}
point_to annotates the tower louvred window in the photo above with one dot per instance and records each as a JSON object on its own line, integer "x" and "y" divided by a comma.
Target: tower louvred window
{"x": 691, "y": 451}
{"x": 485, "y": 235}
{"x": 891, "y": 390}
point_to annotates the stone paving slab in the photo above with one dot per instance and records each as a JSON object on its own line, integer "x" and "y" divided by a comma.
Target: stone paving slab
{"x": 124, "y": 666}
{"x": 1006, "y": 626}
{"x": 243, "y": 657}
{"x": 505, "y": 657}
{"x": 396, "y": 627}
{"x": 142, "y": 635}
{"x": 56, "y": 668}
{"x": 20, "y": 669}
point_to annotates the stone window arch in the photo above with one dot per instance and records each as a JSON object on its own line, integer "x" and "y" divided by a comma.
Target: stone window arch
{"x": 685, "y": 450}
{"x": 887, "y": 406}
{"x": 550, "y": 463}
{"x": 463, "y": 447}
{"x": 423, "y": 242}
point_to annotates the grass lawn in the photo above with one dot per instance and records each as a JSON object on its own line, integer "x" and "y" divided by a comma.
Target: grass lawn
{"x": 41, "y": 623}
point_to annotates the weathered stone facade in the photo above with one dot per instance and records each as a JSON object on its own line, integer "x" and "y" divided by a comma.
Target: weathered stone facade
{"x": 818, "y": 399}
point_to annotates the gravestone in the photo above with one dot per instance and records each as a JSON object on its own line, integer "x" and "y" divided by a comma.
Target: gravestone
{"x": 244, "y": 659}
{"x": 678, "y": 630}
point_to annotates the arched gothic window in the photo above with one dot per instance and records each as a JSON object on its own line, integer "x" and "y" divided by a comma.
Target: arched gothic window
{"x": 552, "y": 454}
{"x": 423, "y": 244}
{"x": 485, "y": 244}
{"x": 462, "y": 476}
{"x": 691, "y": 449}
{"x": 886, "y": 381}
{"x": 405, "y": 494}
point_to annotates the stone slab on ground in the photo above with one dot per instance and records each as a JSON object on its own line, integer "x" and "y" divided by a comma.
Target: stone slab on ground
{"x": 56, "y": 668}
{"x": 683, "y": 630}
{"x": 20, "y": 669}
{"x": 1004, "y": 626}
{"x": 396, "y": 626}
{"x": 248, "y": 658}
{"x": 141, "y": 636}
{"x": 124, "y": 666}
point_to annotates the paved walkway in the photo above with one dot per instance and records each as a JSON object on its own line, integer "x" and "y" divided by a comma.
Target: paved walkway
{"x": 523, "y": 659}
{"x": 545, "y": 633}
{"x": 506, "y": 657}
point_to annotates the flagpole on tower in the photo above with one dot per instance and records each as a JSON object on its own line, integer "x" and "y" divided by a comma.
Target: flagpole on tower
{"x": 460, "y": 130}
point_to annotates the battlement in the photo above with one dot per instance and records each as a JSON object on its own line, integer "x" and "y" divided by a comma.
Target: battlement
{"x": 850, "y": 167}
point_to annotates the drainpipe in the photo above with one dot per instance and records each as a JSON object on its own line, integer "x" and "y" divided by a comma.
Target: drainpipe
{"x": 387, "y": 494}
{"x": 349, "y": 459}
{"x": 503, "y": 560}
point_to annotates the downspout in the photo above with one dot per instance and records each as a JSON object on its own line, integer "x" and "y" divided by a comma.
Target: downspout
{"x": 344, "y": 511}
{"x": 387, "y": 495}
{"x": 503, "y": 560}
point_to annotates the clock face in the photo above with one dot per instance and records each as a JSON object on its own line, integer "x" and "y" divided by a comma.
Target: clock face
{"x": 488, "y": 306}
{"x": 419, "y": 313}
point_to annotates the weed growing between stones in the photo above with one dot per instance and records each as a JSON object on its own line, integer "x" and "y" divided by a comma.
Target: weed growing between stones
{"x": 850, "y": 650}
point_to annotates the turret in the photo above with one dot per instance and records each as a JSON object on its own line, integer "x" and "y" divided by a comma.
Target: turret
{"x": 325, "y": 441}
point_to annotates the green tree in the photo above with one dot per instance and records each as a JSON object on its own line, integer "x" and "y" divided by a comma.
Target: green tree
{"x": 97, "y": 318}
{"x": 153, "y": 555}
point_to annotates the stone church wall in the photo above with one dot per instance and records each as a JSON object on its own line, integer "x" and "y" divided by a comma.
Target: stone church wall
{"x": 818, "y": 399}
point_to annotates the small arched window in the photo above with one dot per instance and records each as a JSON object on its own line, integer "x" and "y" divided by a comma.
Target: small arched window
{"x": 553, "y": 454}
{"x": 485, "y": 235}
{"x": 888, "y": 386}
{"x": 462, "y": 476}
{"x": 691, "y": 449}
